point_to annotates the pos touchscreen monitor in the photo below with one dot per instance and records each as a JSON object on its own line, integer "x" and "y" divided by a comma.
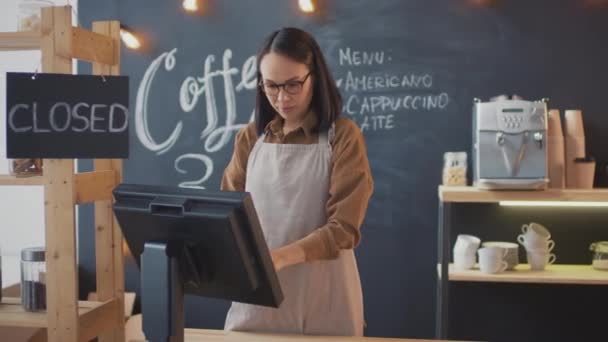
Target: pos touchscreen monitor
{"x": 200, "y": 242}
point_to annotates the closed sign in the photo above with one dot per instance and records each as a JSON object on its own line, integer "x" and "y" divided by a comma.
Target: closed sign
{"x": 67, "y": 116}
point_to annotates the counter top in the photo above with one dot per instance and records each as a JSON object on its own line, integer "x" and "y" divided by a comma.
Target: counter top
{"x": 196, "y": 335}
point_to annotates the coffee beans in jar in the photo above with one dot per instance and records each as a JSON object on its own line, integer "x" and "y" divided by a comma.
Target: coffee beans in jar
{"x": 33, "y": 282}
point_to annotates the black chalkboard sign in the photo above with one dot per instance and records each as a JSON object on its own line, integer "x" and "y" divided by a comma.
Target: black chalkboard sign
{"x": 408, "y": 72}
{"x": 67, "y": 116}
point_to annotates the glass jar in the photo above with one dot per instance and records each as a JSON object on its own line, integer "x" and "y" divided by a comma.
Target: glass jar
{"x": 600, "y": 255}
{"x": 33, "y": 284}
{"x": 454, "y": 168}
{"x": 28, "y": 15}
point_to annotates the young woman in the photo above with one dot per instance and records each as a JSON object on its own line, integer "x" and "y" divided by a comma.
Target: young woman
{"x": 308, "y": 174}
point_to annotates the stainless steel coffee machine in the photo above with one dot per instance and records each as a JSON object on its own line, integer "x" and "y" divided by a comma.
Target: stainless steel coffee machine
{"x": 510, "y": 144}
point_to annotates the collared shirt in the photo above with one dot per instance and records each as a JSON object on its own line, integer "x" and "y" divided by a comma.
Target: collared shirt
{"x": 350, "y": 188}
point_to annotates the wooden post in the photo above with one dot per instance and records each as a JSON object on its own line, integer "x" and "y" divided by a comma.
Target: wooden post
{"x": 108, "y": 237}
{"x": 59, "y": 194}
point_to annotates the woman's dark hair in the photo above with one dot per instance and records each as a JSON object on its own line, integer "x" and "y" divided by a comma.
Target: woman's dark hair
{"x": 301, "y": 47}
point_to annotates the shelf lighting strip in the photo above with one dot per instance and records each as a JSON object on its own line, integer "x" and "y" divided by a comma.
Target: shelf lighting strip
{"x": 552, "y": 204}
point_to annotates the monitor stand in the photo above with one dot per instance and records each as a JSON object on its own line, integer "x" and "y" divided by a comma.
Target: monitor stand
{"x": 162, "y": 293}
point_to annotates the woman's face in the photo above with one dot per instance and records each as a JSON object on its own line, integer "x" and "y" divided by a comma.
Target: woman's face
{"x": 288, "y": 86}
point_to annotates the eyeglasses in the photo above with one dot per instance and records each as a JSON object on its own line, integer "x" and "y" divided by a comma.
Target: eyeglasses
{"x": 293, "y": 87}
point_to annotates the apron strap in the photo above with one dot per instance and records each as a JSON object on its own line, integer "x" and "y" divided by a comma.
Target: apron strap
{"x": 328, "y": 136}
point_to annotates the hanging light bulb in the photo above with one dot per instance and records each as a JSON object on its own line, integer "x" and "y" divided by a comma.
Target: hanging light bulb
{"x": 129, "y": 39}
{"x": 190, "y": 5}
{"x": 482, "y": 3}
{"x": 306, "y": 6}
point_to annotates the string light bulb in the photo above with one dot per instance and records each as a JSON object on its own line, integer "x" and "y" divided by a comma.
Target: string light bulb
{"x": 129, "y": 39}
{"x": 307, "y": 6}
{"x": 190, "y": 5}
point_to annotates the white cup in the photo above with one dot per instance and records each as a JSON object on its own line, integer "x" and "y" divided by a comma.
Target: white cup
{"x": 492, "y": 259}
{"x": 512, "y": 256}
{"x": 539, "y": 259}
{"x": 464, "y": 260}
{"x": 537, "y": 229}
{"x": 467, "y": 243}
{"x": 535, "y": 243}
{"x": 535, "y": 236}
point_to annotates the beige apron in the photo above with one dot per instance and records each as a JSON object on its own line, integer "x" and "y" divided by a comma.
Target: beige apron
{"x": 289, "y": 184}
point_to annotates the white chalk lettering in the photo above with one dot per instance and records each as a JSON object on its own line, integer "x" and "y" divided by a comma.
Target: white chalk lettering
{"x": 95, "y": 118}
{"x": 83, "y": 118}
{"x": 363, "y": 105}
{"x": 142, "y": 128}
{"x": 61, "y": 116}
{"x": 356, "y": 57}
{"x": 125, "y": 118}
{"x": 207, "y": 164}
{"x": 215, "y": 135}
{"x": 53, "y": 117}
{"x": 375, "y": 81}
{"x": 11, "y": 118}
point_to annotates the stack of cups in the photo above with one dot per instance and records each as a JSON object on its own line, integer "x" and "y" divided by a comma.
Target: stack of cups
{"x": 536, "y": 239}
{"x": 575, "y": 144}
{"x": 492, "y": 259}
{"x": 464, "y": 251}
{"x": 555, "y": 151}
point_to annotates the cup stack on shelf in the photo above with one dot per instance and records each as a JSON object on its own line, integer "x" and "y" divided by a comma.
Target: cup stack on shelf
{"x": 499, "y": 256}
{"x": 536, "y": 239}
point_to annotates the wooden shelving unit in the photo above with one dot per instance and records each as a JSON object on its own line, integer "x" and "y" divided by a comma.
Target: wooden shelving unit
{"x": 553, "y": 274}
{"x": 467, "y": 194}
{"x": 93, "y": 317}
{"x": 67, "y": 319}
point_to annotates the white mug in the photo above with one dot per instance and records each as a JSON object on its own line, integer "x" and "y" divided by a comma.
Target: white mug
{"x": 512, "y": 257}
{"x": 538, "y": 260}
{"x": 464, "y": 260}
{"x": 467, "y": 243}
{"x": 535, "y": 243}
{"x": 492, "y": 259}
{"x": 534, "y": 228}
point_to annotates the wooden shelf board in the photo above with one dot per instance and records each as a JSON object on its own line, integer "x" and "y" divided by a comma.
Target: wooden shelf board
{"x": 553, "y": 274}
{"x": 469, "y": 194}
{"x": 12, "y": 314}
{"x": 12, "y": 180}
{"x": 14, "y": 41}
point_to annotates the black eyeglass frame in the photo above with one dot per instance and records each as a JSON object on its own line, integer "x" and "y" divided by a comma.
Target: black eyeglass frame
{"x": 278, "y": 87}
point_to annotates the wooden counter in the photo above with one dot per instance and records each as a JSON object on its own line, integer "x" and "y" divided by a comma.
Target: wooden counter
{"x": 134, "y": 333}
{"x": 196, "y": 335}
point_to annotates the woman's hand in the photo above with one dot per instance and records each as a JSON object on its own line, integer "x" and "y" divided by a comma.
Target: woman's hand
{"x": 287, "y": 256}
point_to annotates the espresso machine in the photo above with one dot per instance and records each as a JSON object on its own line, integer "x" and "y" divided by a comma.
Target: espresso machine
{"x": 510, "y": 144}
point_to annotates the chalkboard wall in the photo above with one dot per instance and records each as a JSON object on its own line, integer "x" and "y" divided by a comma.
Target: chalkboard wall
{"x": 408, "y": 71}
